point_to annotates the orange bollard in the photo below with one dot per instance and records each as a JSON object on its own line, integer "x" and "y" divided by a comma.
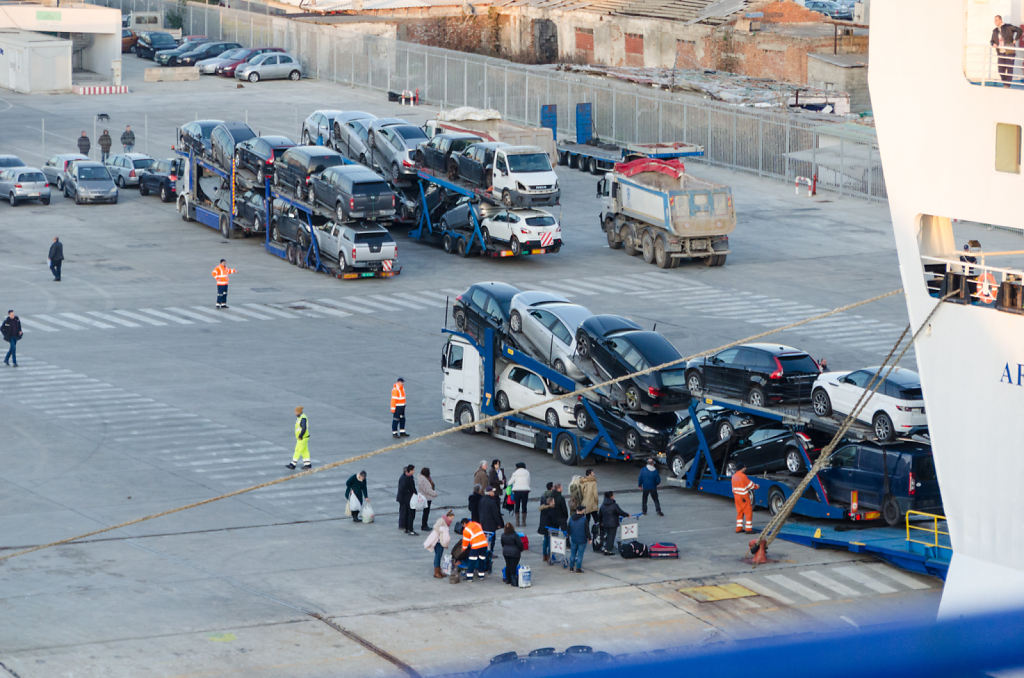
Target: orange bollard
{"x": 759, "y": 552}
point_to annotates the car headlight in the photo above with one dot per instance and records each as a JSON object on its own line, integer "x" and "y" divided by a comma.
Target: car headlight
{"x": 645, "y": 428}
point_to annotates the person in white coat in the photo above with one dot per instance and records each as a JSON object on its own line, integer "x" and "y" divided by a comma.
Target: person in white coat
{"x": 520, "y": 482}
{"x": 439, "y": 539}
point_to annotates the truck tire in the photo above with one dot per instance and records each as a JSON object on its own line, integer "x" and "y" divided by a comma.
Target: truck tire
{"x": 647, "y": 246}
{"x": 183, "y": 208}
{"x": 662, "y": 259}
{"x": 613, "y": 237}
{"x": 563, "y": 157}
{"x": 891, "y": 513}
{"x": 574, "y": 161}
{"x": 592, "y": 166}
{"x": 447, "y": 243}
{"x": 462, "y": 247}
{"x": 225, "y": 227}
{"x": 715, "y": 260}
{"x": 464, "y": 415}
{"x": 565, "y": 449}
{"x": 626, "y": 236}
{"x": 776, "y": 500}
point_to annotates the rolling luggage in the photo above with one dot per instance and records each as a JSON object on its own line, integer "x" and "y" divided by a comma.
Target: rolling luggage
{"x": 664, "y": 549}
{"x": 633, "y": 549}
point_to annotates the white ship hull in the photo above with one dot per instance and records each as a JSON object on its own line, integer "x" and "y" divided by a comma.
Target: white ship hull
{"x": 937, "y": 135}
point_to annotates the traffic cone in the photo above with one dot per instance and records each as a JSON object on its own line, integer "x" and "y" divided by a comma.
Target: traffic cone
{"x": 759, "y": 551}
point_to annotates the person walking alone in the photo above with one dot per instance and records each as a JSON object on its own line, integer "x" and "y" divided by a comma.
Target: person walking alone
{"x": 648, "y": 482}
{"x": 104, "y": 141}
{"x": 56, "y": 257}
{"x": 511, "y": 551}
{"x": 84, "y": 144}
{"x": 301, "y": 440}
{"x": 520, "y": 482}
{"x": 579, "y": 535}
{"x": 356, "y": 485}
{"x": 222, "y": 274}
{"x": 406, "y": 491}
{"x": 439, "y": 539}
{"x": 128, "y": 139}
{"x": 11, "y": 331}
{"x": 398, "y": 410}
{"x": 743, "y": 495}
{"x": 425, "y": 486}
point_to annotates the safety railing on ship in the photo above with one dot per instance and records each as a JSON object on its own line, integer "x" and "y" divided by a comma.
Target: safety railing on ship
{"x": 961, "y": 281}
{"x": 985, "y": 65}
{"x": 935, "y": 540}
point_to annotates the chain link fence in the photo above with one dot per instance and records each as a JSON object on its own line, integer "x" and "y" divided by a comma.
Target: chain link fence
{"x": 770, "y": 143}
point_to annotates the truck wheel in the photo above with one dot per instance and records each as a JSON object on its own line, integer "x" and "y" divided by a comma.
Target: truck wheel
{"x": 462, "y": 247}
{"x": 647, "y": 245}
{"x": 582, "y": 417}
{"x": 565, "y": 449}
{"x": 574, "y": 161}
{"x": 463, "y": 416}
{"x": 776, "y": 500}
{"x": 613, "y": 237}
{"x": 515, "y": 322}
{"x": 291, "y": 254}
{"x": 506, "y": 198}
{"x": 715, "y": 260}
{"x": 447, "y": 243}
{"x": 225, "y": 227}
{"x": 626, "y": 236}
{"x": 183, "y": 208}
{"x": 593, "y": 166}
{"x": 661, "y": 255}
{"x": 891, "y": 511}
{"x": 563, "y": 157}
{"x": 515, "y": 246}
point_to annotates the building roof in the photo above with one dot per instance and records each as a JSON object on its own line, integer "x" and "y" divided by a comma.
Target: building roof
{"x": 689, "y": 11}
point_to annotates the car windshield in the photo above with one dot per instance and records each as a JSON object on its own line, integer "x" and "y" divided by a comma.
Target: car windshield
{"x": 459, "y": 145}
{"x": 665, "y": 420}
{"x": 529, "y": 162}
{"x": 142, "y": 163}
{"x": 234, "y": 53}
{"x": 32, "y": 177}
{"x": 798, "y": 364}
{"x": 673, "y": 377}
{"x": 370, "y": 187}
{"x": 540, "y": 221}
{"x": 162, "y": 166}
{"x": 92, "y": 173}
{"x": 11, "y": 161}
{"x": 206, "y": 127}
{"x": 372, "y": 238}
{"x": 409, "y": 133}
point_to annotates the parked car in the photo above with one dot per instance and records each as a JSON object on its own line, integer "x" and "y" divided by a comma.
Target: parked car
{"x": 476, "y": 162}
{"x": 617, "y": 346}
{"x": 353, "y": 192}
{"x": 195, "y": 136}
{"x": 204, "y": 51}
{"x": 11, "y": 161}
{"x": 485, "y": 304}
{"x": 436, "y": 153}
{"x": 897, "y": 407}
{"x": 250, "y": 210}
{"x": 228, "y": 68}
{"x": 549, "y": 322}
{"x": 759, "y": 373}
{"x": 126, "y": 167}
{"x": 771, "y": 446}
{"x": 356, "y": 246}
{"x": 224, "y": 138}
{"x": 56, "y": 168}
{"x": 350, "y": 135}
{"x": 297, "y": 165}
{"x": 317, "y": 127}
{"x": 459, "y": 215}
{"x": 270, "y": 66}
{"x": 89, "y": 181}
{"x": 523, "y": 228}
{"x": 717, "y": 424}
{"x": 288, "y": 224}
{"x": 392, "y": 149}
{"x": 258, "y": 154}
{"x": 889, "y": 477}
{"x": 209, "y": 65}
{"x": 162, "y": 178}
{"x": 21, "y": 184}
{"x": 642, "y": 435}
{"x": 128, "y": 40}
{"x": 168, "y": 57}
{"x": 517, "y": 387}
{"x": 830, "y": 9}
{"x": 151, "y": 42}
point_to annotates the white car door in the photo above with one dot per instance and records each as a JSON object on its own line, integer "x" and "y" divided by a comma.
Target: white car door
{"x": 849, "y": 389}
{"x": 533, "y": 391}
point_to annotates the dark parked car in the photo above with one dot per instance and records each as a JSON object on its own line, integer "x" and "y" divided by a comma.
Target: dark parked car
{"x": 288, "y": 224}
{"x": 11, "y": 161}
{"x": 224, "y": 138}
{"x": 718, "y": 425}
{"x": 205, "y": 50}
{"x": 258, "y": 154}
{"x": 485, "y": 304}
{"x": 353, "y": 192}
{"x": 889, "y": 477}
{"x": 228, "y": 69}
{"x": 151, "y": 42}
{"x": 351, "y": 135}
{"x": 618, "y": 346}
{"x": 641, "y": 434}
{"x": 195, "y": 136}
{"x": 458, "y": 215}
{"x": 436, "y": 154}
{"x": 759, "y": 373}
{"x": 169, "y": 57}
{"x": 476, "y": 163}
{"x": 296, "y": 167}
{"x": 250, "y": 210}
{"x": 771, "y": 447}
{"x": 162, "y": 178}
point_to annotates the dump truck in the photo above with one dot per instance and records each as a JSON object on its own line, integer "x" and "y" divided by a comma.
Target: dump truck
{"x": 654, "y": 208}
{"x": 489, "y": 124}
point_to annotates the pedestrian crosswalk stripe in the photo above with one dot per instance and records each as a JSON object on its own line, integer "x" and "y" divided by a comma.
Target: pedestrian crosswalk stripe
{"x": 74, "y": 317}
{"x": 605, "y": 286}
{"x": 110, "y": 317}
{"x": 391, "y": 299}
{"x": 796, "y": 587}
{"x": 31, "y": 324}
{"x": 348, "y": 304}
{"x": 270, "y": 309}
{"x": 322, "y": 308}
{"x": 558, "y": 289}
{"x": 821, "y": 579}
{"x": 763, "y": 590}
{"x": 192, "y": 314}
{"x": 217, "y": 314}
{"x": 166, "y": 316}
{"x": 421, "y": 298}
{"x": 57, "y": 321}
{"x": 900, "y": 577}
{"x": 384, "y": 303}
{"x": 140, "y": 317}
{"x": 248, "y": 312}
{"x": 855, "y": 573}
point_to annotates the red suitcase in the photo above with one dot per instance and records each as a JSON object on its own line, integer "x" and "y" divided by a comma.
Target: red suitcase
{"x": 664, "y": 549}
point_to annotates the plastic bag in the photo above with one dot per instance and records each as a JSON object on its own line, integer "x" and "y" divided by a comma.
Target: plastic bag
{"x": 353, "y": 504}
{"x": 417, "y": 501}
{"x": 446, "y": 564}
{"x": 367, "y": 515}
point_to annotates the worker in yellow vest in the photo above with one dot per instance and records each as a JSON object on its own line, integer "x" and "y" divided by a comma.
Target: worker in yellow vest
{"x": 301, "y": 440}
{"x": 398, "y": 409}
{"x": 221, "y": 275}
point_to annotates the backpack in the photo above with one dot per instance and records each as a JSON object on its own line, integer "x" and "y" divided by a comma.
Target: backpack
{"x": 633, "y": 549}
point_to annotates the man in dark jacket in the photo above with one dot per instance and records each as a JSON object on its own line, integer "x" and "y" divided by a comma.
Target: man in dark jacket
{"x": 84, "y": 144}
{"x": 579, "y": 535}
{"x": 648, "y": 482}
{"x": 406, "y": 490}
{"x": 56, "y": 257}
{"x": 1004, "y": 39}
{"x": 561, "y": 510}
{"x": 11, "y": 330}
{"x": 356, "y": 484}
{"x": 609, "y": 514}
{"x": 105, "y": 141}
{"x": 490, "y": 521}
{"x": 128, "y": 139}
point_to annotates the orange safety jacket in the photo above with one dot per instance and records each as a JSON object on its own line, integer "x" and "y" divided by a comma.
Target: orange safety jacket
{"x": 221, "y": 274}
{"x": 741, "y": 485}
{"x": 397, "y": 395}
{"x": 473, "y": 536}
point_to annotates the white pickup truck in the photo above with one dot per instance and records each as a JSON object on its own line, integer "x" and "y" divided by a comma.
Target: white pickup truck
{"x": 357, "y": 246}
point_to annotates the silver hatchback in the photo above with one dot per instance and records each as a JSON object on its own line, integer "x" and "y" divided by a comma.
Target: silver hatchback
{"x": 89, "y": 181}
{"x": 125, "y": 168}
{"x": 19, "y": 184}
{"x": 269, "y": 66}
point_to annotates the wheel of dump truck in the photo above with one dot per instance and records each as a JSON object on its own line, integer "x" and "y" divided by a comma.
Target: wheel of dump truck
{"x": 626, "y": 237}
{"x": 610, "y": 233}
{"x": 647, "y": 246}
{"x": 661, "y": 256}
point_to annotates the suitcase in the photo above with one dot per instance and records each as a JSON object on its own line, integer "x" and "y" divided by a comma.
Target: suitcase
{"x": 664, "y": 549}
{"x": 525, "y": 540}
{"x": 633, "y": 549}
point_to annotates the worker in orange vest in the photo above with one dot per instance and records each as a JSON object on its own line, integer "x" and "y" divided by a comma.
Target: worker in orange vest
{"x": 474, "y": 542}
{"x": 398, "y": 409}
{"x": 220, "y": 274}
{"x": 743, "y": 494}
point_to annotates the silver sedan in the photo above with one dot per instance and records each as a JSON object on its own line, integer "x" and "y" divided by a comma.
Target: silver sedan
{"x": 125, "y": 168}
{"x": 549, "y": 322}
{"x": 19, "y": 184}
{"x": 269, "y": 66}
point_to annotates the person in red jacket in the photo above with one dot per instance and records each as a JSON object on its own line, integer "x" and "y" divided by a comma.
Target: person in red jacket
{"x": 474, "y": 541}
{"x": 221, "y": 275}
{"x": 743, "y": 494}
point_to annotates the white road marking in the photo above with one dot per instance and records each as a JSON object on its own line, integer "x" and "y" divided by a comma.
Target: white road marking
{"x": 822, "y": 579}
{"x": 218, "y": 314}
{"x": 796, "y": 587}
{"x": 249, "y": 313}
{"x": 110, "y": 317}
{"x": 856, "y": 574}
{"x": 900, "y": 577}
{"x": 757, "y": 587}
{"x": 382, "y": 301}
{"x": 140, "y": 317}
{"x": 349, "y": 304}
{"x": 58, "y": 321}
{"x": 31, "y": 324}
{"x": 421, "y": 298}
{"x": 192, "y": 314}
{"x": 323, "y": 308}
{"x": 166, "y": 316}
{"x": 266, "y": 308}
{"x": 88, "y": 321}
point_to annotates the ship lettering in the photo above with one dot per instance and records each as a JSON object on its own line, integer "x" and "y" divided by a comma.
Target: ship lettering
{"x": 1008, "y": 375}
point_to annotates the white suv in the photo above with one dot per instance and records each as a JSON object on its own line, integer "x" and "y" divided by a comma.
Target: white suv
{"x": 523, "y": 228}
{"x": 896, "y": 408}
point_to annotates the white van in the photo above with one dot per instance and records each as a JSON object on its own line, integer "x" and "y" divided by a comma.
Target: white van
{"x": 523, "y": 177}
{"x": 144, "y": 21}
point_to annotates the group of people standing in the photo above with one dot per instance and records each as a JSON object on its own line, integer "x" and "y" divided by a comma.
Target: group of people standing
{"x": 105, "y": 142}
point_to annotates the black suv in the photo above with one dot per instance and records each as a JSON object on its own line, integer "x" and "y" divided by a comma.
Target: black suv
{"x": 259, "y": 153}
{"x": 353, "y": 192}
{"x": 162, "y": 177}
{"x": 152, "y": 42}
{"x": 483, "y": 305}
{"x": 224, "y": 138}
{"x": 718, "y": 425}
{"x": 296, "y": 167}
{"x": 643, "y": 435}
{"x": 771, "y": 447}
{"x": 759, "y": 373}
{"x": 889, "y": 477}
{"x": 436, "y": 154}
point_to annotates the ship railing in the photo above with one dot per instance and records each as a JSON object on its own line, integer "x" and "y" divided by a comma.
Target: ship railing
{"x": 961, "y": 281}
{"x": 937, "y": 538}
{"x": 982, "y": 65}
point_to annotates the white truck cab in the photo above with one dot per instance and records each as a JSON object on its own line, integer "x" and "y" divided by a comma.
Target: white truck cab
{"x": 523, "y": 177}
{"x": 462, "y": 383}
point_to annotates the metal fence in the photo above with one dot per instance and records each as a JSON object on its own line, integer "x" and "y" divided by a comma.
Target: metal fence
{"x": 769, "y": 143}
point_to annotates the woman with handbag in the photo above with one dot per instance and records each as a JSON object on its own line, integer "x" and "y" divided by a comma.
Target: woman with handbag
{"x": 438, "y": 540}
{"x": 356, "y": 494}
{"x": 425, "y": 486}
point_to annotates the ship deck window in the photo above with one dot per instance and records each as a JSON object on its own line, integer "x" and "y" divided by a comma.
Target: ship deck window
{"x": 1007, "y": 148}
